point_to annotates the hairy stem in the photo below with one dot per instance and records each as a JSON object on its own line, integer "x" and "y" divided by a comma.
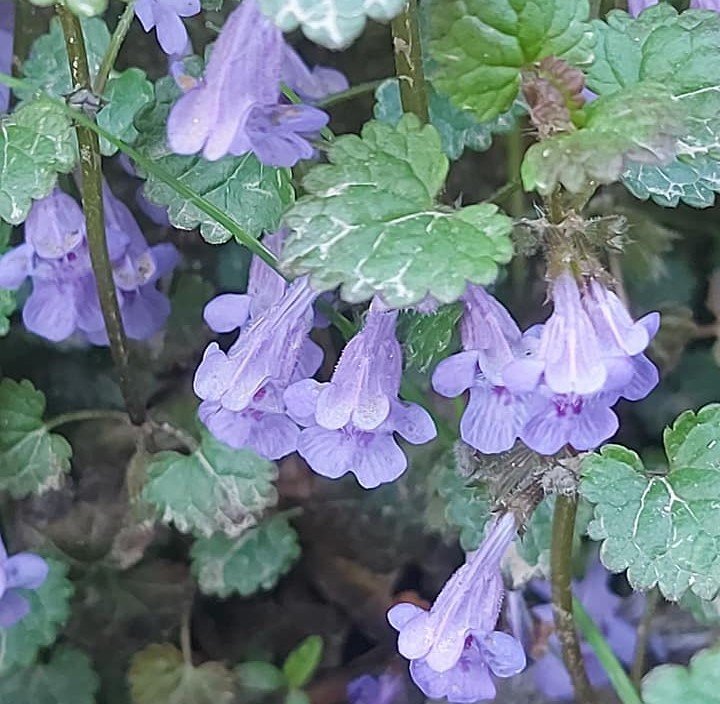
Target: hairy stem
{"x": 350, "y": 93}
{"x": 643, "y": 632}
{"x": 408, "y": 61}
{"x": 516, "y": 203}
{"x": 116, "y": 42}
{"x": 92, "y": 199}
{"x": 563, "y": 529}
{"x": 91, "y": 414}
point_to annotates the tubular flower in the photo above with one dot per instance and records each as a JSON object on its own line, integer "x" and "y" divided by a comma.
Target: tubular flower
{"x": 22, "y": 572}
{"x": 165, "y": 16}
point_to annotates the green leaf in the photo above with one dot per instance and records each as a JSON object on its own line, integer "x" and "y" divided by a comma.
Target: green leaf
{"x": 126, "y": 94}
{"x": 252, "y": 562}
{"x": 32, "y": 460}
{"x": 697, "y": 684}
{"x": 426, "y": 338}
{"x": 662, "y": 528}
{"x": 370, "y": 221}
{"x": 301, "y": 663}
{"x": 36, "y": 142}
{"x": 681, "y": 52}
{"x": 640, "y": 122}
{"x": 704, "y": 611}
{"x": 158, "y": 675}
{"x": 458, "y": 128}
{"x": 480, "y": 47}
{"x": 216, "y": 488}
{"x": 67, "y": 678}
{"x": 253, "y": 194}
{"x": 297, "y": 696}
{"x": 8, "y": 301}
{"x": 49, "y": 610}
{"x": 332, "y": 23}
{"x": 47, "y": 69}
{"x": 260, "y": 676}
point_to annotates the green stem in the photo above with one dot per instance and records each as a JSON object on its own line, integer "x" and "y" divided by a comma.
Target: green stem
{"x": 185, "y": 637}
{"x": 514, "y": 152}
{"x": 92, "y": 199}
{"x": 563, "y": 529}
{"x": 618, "y": 678}
{"x": 116, "y": 42}
{"x": 352, "y": 92}
{"x": 184, "y": 438}
{"x": 409, "y": 63}
{"x": 91, "y": 414}
{"x": 643, "y": 632}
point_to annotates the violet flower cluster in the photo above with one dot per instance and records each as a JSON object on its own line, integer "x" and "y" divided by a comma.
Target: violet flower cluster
{"x": 388, "y": 688}
{"x": 55, "y": 256}
{"x": 22, "y": 572}
{"x": 555, "y": 384}
{"x": 612, "y": 614}
{"x": 238, "y": 106}
{"x": 260, "y": 394}
{"x": 453, "y": 648}
{"x": 635, "y": 7}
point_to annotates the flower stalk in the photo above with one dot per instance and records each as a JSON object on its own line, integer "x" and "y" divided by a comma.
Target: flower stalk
{"x": 116, "y": 42}
{"x": 92, "y": 199}
{"x": 408, "y": 61}
{"x": 563, "y": 529}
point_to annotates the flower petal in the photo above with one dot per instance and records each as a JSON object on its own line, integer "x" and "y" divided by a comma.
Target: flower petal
{"x": 455, "y": 374}
{"x": 25, "y": 571}
{"x": 227, "y": 312}
{"x": 13, "y": 608}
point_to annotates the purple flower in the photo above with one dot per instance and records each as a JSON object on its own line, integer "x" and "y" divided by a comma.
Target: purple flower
{"x": 312, "y": 85}
{"x": 24, "y": 571}
{"x": 237, "y": 108}
{"x": 454, "y": 646}
{"x": 351, "y": 420}
{"x": 387, "y": 689}
{"x": 635, "y": 7}
{"x": 166, "y": 17}
{"x": 56, "y": 257}
{"x": 610, "y": 613}
{"x": 491, "y": 340}
{"x": 7, "y": 26}
{"x": 705, "y": 5}
{"x": 242, "y": 390}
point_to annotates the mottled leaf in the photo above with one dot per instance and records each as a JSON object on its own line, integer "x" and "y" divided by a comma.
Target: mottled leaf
{"x": 66, "y": 678}
{"x": 332, "y": 23}
{"x": 49, "y": 610}
{"x": 253, "y": 194}
{"x": 32, "y": 459}
{"x": 301, "y": 663}
{"x": 159, "y": 675}
{"x": 479, "y": 47}
{"x": 244, "y": 565}
{"x": 126, "y": 93}
{"x": 642, "y": 123}
{"x": 662, "y": 528}
{"x": 215, "y": 488}
{"x": 699, "y": 683}
{"x": 458, "y": 128}
{"x": 36, "y": 142}
{"x": 370, "y": 222}
{"x": 426, "y": 338}
{"x": 47, "y": 68}
{"x": 682, "y": 52}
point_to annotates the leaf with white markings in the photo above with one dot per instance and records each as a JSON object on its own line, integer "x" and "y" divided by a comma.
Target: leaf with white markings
{"x": 159, "y": 675}
{"x": 371, "y": 224}
{"x": 32, "y": 459}
{"x": 253, "y": 194}
{"x": 126, "y": 94}
{"x": 682, "y": 52}
{"x": 36, "y": 142}
{"x": 332, "y": 23}
{"x": 479, "y": 47}
{"x": 254, "y": 561}
{"x": 699, "y": 683}
{"x": 49, "y": 610}
{"x": 662, "y": 528}
{"x": 426, "y": 338}
{"x": 213, "y": 489}
{"x": 67, "y": 678}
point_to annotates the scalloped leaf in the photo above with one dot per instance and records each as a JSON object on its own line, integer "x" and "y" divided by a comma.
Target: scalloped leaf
{"x": 370, "y": 222}
{"x": 697, "y": 684}
{"x": 253, "y": 562}
{"x": 214, "y": 489}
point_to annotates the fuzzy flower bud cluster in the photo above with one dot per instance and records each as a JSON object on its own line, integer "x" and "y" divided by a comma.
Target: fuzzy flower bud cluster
{"x": 238, "y": 106}
{"x": 555, "y": 384}
{"x": 454, "y": 648}
{"x": 56, "y": 257}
